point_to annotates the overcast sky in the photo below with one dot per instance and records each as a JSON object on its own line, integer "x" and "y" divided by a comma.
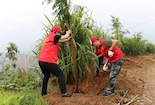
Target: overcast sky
{"x": 20, "y": 20}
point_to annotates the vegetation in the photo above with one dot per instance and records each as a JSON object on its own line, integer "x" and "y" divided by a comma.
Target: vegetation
{"x": 22, "y": 98}
{"x": 117, "y": 28}
{"x": 83, "y": 27}
{"x": 19, "y": 86}
{"x": 17, "y": 79}
{"x": 120, "y": 92}
{"x": 130, "y": 46}
{"x": 61, "y": 9}
{"x": 12, "y": 49}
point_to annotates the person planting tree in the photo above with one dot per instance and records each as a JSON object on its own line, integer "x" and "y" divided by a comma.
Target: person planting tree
{"x": 113, "y": 55}
{"x": 101, "y": 60}
{"x": 48, "y": 57}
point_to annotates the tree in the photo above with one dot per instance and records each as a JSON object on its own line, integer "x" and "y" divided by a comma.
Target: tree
{"x": 61, "y": 9}
{"x": 117, "y": 27}
{"x": 12, "y": 50}
{"x": 82, "y": 26}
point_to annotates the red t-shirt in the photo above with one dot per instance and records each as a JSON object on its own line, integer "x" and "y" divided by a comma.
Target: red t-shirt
{"x": 50, "y": 50}
{"x": 117, "y": 53}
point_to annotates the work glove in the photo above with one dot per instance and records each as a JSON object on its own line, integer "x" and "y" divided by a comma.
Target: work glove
{"x": 110, "y": 53}
{"x": 105, "y": 68}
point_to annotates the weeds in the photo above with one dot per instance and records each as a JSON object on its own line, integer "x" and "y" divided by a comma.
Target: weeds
{"x": 120, "y": 92}
{"x": 21, "y": 98}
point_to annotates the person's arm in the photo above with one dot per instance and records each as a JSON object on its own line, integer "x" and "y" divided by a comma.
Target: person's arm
{"x": 95, "y": 50}
{"x": 105, "y": 66}
{"x": 110, "y": 43}
{"x": 58, "y": 38}
{"x": 106, "y": 62}
{"x": 99, "y": 55}
{"x": 66, "y": 36}
{"x": 64, "y": 40}
{"x": 114, "y": 43}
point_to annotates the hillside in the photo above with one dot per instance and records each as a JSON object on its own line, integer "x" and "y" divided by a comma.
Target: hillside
{"x": 137, "y": 77}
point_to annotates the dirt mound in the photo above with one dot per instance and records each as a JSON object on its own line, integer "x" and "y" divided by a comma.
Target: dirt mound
{"x": 136, "y": 77}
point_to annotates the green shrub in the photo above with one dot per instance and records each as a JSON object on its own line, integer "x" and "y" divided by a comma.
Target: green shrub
{"x": 150, "y": 48}
{"x": 19, "y": 80}
{"x": 135, "y": 46}
{"x": 21, "y": 98}
{"x": 120, "y": 92}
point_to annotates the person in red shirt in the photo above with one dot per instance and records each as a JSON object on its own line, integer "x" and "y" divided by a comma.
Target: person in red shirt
{"x": 48, "y": 57}
{"x": 113, "y": 54}
{"x": 101, "y": 60}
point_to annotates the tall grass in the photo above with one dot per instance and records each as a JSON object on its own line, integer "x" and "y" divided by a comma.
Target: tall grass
{"x": 82, "y": 25}
{"x": 136, "y": 45}
{"x": 150, "y": 48}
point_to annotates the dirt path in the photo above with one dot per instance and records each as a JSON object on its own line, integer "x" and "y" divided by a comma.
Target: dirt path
{"x": 149, "y": 87}
{"x": 137, "y": 79}
{"x": 145, "y": 77}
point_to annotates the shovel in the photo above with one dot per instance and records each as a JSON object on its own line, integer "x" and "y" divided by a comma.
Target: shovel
{"x": 102, "y": 74}
{"x": 98, "y": 84}
{"x": 85, "y": 88}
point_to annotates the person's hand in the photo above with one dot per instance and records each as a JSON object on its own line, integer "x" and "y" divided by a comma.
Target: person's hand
{"x": 69, "y": 32}
{"x": 110, "y": 53}
{"x": 69, "y": 38}
{"x": 105, "y": 68}
{"x": 94, "y": 59}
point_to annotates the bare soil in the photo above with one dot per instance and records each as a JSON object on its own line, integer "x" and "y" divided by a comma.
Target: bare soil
{"x": 137, "y": 77}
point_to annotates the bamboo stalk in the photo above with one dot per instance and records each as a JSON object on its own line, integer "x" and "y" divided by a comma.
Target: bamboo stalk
{"x": 74, "y": 60}
{"x": 122, "y": 98}
{"x": 132, "y": 100}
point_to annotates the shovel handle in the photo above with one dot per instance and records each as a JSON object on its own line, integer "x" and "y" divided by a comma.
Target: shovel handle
{"x": 100, "y": 80}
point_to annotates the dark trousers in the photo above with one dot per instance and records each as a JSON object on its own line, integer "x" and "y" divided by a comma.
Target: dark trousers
{"x": 101, "y": 61}
{"x": 48, "y": 68}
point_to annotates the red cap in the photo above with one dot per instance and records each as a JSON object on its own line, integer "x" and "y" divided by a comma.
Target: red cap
{"x": 94, "y": 38}
{"x": 56, "y": 29}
